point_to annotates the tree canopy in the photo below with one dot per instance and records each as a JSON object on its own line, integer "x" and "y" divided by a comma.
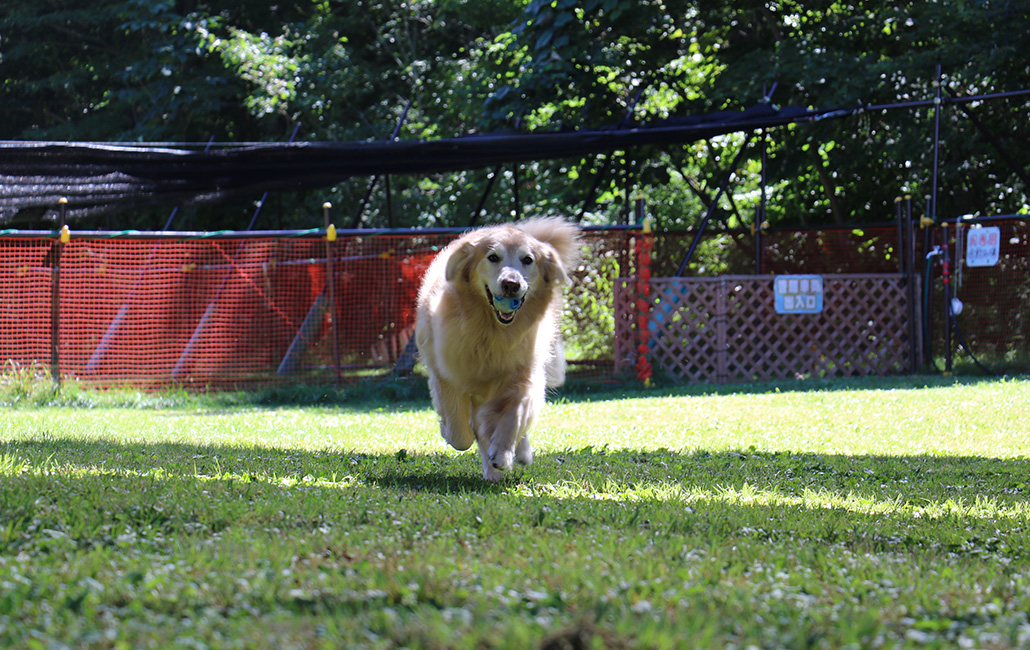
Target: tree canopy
{"x": 328, "y": 70}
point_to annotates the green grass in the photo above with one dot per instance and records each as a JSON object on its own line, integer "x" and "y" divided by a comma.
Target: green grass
{"x": 875, "y": 513}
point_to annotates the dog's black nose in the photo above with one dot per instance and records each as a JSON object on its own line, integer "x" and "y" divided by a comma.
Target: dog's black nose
{"x": 510, "y": 288}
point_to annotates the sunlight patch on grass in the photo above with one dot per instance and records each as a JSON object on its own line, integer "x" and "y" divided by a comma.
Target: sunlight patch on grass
{"x": 978, "y": 507}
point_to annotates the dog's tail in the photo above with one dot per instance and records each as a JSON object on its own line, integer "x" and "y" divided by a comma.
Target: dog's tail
{"x": 554, "y": 368}
{"x": 560, "y": 234}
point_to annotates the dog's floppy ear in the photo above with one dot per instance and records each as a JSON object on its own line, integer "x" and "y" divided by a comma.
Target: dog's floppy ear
{"x": 461, "y": 261}
{"x": 551, "y": 267}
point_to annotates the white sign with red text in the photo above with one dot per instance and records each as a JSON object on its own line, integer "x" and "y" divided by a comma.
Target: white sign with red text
{"x": 983, "y": 246}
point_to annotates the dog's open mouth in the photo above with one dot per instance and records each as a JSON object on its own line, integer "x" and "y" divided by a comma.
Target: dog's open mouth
{"x": 505, "y": 308}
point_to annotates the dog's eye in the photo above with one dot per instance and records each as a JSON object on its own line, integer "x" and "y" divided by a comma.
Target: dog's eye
{"x": 494, "y": 257}
{"x": 527, "y": 260}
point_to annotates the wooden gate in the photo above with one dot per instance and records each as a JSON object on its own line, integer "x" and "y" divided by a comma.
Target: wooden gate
{"x": 726, "y": 329}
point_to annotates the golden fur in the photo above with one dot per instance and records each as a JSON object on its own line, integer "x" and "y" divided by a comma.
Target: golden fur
{"x": 488, "y": 367}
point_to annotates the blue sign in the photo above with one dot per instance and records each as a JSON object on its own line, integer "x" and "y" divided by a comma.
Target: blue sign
{"x": 798, "y": 294}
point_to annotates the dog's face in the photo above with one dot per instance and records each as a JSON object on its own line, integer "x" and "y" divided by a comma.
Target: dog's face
{"x": 507, "y": 271}
{"x": 506, "y": 267}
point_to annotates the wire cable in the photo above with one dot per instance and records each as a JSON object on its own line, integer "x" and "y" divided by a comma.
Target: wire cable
{"x": 965, "y": 346}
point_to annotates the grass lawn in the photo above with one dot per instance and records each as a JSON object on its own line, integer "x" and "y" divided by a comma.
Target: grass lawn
{"x": 874, "y": 513}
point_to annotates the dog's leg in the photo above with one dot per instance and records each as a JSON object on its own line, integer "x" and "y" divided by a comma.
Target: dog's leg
{"x": 482, "y": 433}
{"x": 501, "y": 425}
{"x": 455, "y": 414}
{"x": 524, "y": 450}
{"x": 490, "y": 472}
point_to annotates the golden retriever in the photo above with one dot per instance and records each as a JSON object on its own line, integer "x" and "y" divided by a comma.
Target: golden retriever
{"x": 487, "y": 332}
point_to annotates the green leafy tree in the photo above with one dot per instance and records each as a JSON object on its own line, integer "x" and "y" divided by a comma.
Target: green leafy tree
{"x": 120, "y": 71}
{"x": 830, "y": 55}
{"x": 571, "y": 64}
{"x": 193, "y": 71}
{"x": 189, "y": 70}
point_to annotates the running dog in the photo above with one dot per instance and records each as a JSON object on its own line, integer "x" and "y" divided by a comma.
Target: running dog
{"x": 488, "y": 334}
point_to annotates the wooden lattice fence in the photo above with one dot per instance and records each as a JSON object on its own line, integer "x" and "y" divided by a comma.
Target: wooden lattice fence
{"x": 726, "y": 329}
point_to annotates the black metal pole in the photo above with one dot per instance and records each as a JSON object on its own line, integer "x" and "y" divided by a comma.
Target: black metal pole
{"x": 375, "y": 179}
{"x": 936, "y": 141}
{"x": 920, "y": 103}
{"x": 182, "y": 364}
{"x": 758, "y": 240}
{"x": 626, "y": 189}
{"x": 515, "y": 191}
{"x": 714, "y": 204}
{"x": 928, "y": 241}
{"x": 760, "y": 217}
{"x": 946, "y": 279}
{"x": 901, "y": 235}
{"x": 486, "y": 193}
{"x": 592, "y": 195}
{"x": 264, "y": 196}
{"x": 908, "y": 254}
{"x": 175, "y": 210}
{"x": 389, "y": 203}
{"x": 639, "y": 209}
{"x": 945, "y": 271}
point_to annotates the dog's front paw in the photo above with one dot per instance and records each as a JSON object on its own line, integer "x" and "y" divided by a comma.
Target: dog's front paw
{"x": 502, "y": 459}
{"x": 493, "y": 464}
{"x": 492, "y": 475}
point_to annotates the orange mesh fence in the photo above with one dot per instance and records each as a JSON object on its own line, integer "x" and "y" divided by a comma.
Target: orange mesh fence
{"x": 245, "y": 311}
{"x": 25, "y": 301}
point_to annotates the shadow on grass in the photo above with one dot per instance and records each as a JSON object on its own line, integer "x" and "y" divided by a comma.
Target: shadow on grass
{"x": 575, "y": 391}
{"x": 88, "y": 491}
{"x": 447, "y": 472}
{"x": 411, "y": 393}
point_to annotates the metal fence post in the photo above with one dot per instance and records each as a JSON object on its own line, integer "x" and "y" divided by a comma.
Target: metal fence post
{"x": 330, "y": 239}
{"x": 645, "y": 243}
{"x": 63, "y": 236}
{"x": 908, "y": 252}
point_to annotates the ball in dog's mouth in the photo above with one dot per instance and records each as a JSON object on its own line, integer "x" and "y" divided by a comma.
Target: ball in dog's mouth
{"x": 505, "y": 308}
